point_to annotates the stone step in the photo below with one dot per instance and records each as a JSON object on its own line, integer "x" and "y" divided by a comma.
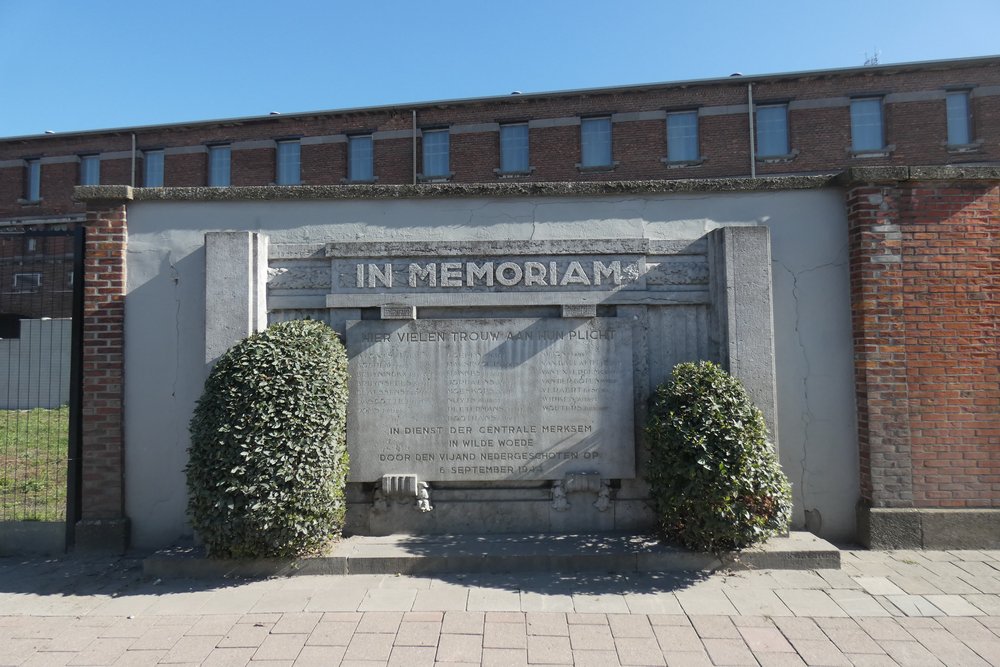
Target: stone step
{"x": 441, "y": 554}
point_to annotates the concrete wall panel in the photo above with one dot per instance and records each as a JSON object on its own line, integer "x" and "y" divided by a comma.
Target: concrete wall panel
{"x": 165, "y": 362}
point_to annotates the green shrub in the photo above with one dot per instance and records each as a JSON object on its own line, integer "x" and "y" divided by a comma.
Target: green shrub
{"x": 268, "y": 461}
{"x": 714, "y": 479}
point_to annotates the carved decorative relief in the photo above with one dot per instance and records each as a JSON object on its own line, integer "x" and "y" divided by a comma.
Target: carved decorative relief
{"x": 299, "y": 277}
{"x": 678, "y": 273}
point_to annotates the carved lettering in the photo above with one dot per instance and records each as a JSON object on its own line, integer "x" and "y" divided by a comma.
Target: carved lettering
{"x": 428, "y": 274}
{"x": 474, "y": 272}
{"x": 567, "y": 272}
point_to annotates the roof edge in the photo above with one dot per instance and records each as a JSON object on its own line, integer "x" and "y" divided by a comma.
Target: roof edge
{"x": 124, "y": 193}
{"x": 750, "y": 78}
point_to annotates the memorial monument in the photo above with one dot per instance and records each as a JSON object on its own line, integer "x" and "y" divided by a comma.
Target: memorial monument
{"x": 501, "y": 386}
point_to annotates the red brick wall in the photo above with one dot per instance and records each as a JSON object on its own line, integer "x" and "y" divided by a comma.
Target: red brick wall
{"x": 925, "y": 281}
{"x": 103, "y": 326}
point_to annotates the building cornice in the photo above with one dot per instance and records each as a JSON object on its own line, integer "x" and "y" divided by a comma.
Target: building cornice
{"x": 125, "y": 193}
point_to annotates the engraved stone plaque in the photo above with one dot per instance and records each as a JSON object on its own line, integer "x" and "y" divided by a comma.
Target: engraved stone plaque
{"x": 491, "y": 399}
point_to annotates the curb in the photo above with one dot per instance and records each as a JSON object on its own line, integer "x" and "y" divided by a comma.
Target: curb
{"x": 480, "y": 554}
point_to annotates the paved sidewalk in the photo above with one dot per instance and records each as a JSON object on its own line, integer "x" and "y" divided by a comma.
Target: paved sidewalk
{"x": 881, "y": 608}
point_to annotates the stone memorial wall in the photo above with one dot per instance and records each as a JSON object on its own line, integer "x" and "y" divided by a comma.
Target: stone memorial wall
{"x": 520, "y": 371}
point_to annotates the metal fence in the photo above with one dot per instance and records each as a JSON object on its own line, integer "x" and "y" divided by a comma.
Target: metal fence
{"x": 41, "y": 293}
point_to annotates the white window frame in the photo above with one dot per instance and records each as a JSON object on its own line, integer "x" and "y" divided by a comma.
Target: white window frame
{"x": 361, "y": 158}
{"x": 515, "y": 148}
{"x": 219, "y": 165}
{"x": 35, "y": 280}
{"x": 772, "y": 136}
{"x": 596, "y": 149}
{"x": 683, "y": 145}
{"x": 958, "y": 111}
{"x": 33, "y": 180}
{"x": 436, "y": 149}
{"x": 288, "y": 162}
{"x": 90, "y": 169}
{"x": 153, "y": 167}
{"x": 865, "y": 124}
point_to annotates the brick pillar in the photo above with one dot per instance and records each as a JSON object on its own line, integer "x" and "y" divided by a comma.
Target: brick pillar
{"x": 879, "y": 345}
{"x": 103, "y": 525}
{"x": 925, "y": 292}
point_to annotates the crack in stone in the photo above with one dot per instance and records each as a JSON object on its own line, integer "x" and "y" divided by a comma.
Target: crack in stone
{"x": 806, "y": 416}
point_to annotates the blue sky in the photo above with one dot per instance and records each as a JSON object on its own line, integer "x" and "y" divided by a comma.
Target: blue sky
{"x": 72, "y": 65}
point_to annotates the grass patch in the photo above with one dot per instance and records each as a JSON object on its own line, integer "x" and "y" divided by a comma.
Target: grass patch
{"x": 33, "y": 451}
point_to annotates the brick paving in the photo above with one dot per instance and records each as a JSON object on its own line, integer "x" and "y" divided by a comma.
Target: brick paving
{"x": 882, "y": 608}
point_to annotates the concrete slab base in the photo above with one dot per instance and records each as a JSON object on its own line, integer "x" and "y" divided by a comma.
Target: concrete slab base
{"x": 909, "y": 528}
{"x": 32, "y": 537}
{"x": 438, "y": 554}
{"x": 102, "y": 536}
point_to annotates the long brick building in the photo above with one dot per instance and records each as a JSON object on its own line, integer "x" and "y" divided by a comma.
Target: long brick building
{"x": 933, "y": 113}
{"x": 901, "y": 169}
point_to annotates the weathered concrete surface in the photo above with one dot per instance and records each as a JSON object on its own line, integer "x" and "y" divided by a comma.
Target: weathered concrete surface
{"x": 165, "y": 314}
{"x": 236, "y": 296}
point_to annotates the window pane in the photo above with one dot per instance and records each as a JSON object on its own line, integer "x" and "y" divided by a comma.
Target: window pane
{"x": 435, "y": 153}
{"x": 866, "y": 125}
{"x": 360, "y": 163}
{"x": 90, "y": 170}
{"x": 218, "y": 166}
{"x": 514, "y": 148}
{"x": 595, "y": 142}
{"x": 33, "y": 191}
{"x": 682, "y": 136}
{"x": 958, "y": 119}
{"x": 288, "y": 161}
{"x": 772, "y": 130}
{"x": 152, "y": 165}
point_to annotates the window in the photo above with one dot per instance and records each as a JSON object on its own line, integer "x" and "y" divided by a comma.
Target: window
{"x": 218, "y": 166}
{"x": 595, "y": 142}
{"x": 866, "y": 125}
{"x": 33, "y": 180}
{"x": 514, "y": 148}
{"x": 772, "y": 130}
{"x": 90, "y": 170}
{"x": 360, "y": 162}
{"x": 436, "y": 154}
{"x": 288, "y": 162}
{"x": 682, "y": 136}
{"x": 24, "y": 282}
{"x": 152, "y": 169}
{"x": 959, "y": 119}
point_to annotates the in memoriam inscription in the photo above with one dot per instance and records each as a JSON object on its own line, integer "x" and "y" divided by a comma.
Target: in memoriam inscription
{"x": 491, "y": 399}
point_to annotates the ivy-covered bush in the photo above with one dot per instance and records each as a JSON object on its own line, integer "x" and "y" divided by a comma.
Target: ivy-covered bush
{"x": 268, "y": 460}
{"x": 714, "y": 479}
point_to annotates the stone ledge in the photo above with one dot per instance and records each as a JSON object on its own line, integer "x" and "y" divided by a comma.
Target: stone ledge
{"x": 859, "y": 175}
{"x": 439, "y": 554}
{"x": 909, "y": 528}
{"x": 102, "y": 193}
